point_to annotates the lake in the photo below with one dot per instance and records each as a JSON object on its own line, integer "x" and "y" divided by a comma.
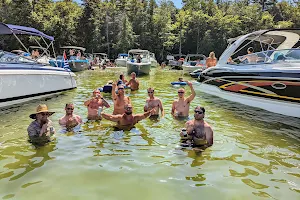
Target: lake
{"x": 256, "y": 154}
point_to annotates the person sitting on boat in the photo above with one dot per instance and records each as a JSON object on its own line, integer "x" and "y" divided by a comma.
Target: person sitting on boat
{"x": 70, "y": 120}
{"x": 250, "y": 57}
{"x": 198, "y": 132}
{"x": 120, "y": 100}
{"x": 133, "y": 83}
{"x": 78, "y": 56}
{"x": 153, "y": 103}
{"x": 94, "y": 104}
{"x": 40, "y": 130}
{"x": 138, "y": 58}
{"x": 180, "y": 107}
{"x": 127, "y": 120}
{"x": 122, "y": 80}
{"x": 211, "y": 61}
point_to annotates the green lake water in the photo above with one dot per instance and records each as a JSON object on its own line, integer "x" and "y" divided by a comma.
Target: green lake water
{"x": 256, "y": 154}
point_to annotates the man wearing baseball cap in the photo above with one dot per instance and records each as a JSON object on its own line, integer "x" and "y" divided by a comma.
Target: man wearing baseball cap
{"x": 41, "y": 128}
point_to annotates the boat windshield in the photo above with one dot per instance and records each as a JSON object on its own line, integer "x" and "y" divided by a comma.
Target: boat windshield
{"x": 270, "y": 56}
{"x": 6, "y": 57}
{"x": 195, "y": 60}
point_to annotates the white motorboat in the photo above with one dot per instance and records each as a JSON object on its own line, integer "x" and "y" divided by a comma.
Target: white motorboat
{"x": 193, "y": 62}
{"x": 23, "y": 79}
{"x": 175, "y": 61}
{"x": 153, "y": 60}
{"x": 268, "y": 79}
{"x": 138, "y": 61}
{"x": 121, "y": 60}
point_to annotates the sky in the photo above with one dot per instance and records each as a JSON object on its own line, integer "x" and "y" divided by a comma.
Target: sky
{"x": 177, "y": 3}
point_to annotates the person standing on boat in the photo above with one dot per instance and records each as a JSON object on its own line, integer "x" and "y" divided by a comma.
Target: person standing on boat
{"x": 133, "y": 82}
{"x": 70, "y": 120}
{"x": 198, "y": 132}
{"x": 138, "y": 58}
{"x": 180, "y": 107}
{"x": 40, "y": 130}
{"x": 154, "y": 103}
{"x": 120, "y": 100}
{"x": 94, "y": 104}
{"x": 127, "y": 120}
{"x": 211, "y": 61}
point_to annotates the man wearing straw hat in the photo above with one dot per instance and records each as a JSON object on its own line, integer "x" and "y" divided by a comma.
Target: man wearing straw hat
{"x": 41, "y": 128}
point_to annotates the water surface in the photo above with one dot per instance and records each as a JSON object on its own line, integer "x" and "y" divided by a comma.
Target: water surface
{"x": 256, "y": 154}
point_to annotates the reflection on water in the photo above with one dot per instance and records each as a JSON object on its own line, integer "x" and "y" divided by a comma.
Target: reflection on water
{"x": 256, "y": 154}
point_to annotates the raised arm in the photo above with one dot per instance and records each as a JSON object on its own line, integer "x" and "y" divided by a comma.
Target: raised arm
{"x": 113, "y": 91}
{"x": 86, "y": 103}
{"x": 140, "y": 117}
{"x": 104, "y": 103}
{"x": 192, "y": 96}
{"x": 114, "y": 118}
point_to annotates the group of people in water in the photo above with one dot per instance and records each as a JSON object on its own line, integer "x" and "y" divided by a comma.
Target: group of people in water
{"x": 197, "y": 132}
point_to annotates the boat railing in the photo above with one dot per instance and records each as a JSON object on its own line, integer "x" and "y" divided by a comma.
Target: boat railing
{"x": 267, "y": 57}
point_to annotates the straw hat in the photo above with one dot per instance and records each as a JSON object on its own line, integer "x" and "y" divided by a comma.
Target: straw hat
{"x": 40, "y": 109}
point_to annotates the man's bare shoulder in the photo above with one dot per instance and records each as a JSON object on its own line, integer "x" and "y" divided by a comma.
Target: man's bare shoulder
{"x": 206, "y": 125}
{"x": 190, "y": 122}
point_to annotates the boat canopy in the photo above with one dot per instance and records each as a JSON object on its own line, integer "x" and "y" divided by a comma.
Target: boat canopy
{"x": 73, "y": 47}
{"x": 8, "y": 29}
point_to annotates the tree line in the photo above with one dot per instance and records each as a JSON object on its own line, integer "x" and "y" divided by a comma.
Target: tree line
{"x": 115, "y": 26}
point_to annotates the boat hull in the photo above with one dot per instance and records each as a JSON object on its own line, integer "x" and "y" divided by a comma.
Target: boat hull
{"x": 121, "y": 62}
{"x": 277, "y": 92}
{"x": 77, "y": 65}
{"x": 20, "y": 84}
{"x": 138, "y": 68}
{"x": 188, "y": 69}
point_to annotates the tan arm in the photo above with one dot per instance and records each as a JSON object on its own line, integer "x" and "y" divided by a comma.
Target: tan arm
{"x": 140, "y": 117}
{"x": 86, "y": 103}
{"x": 113, "y": 91}
{"x": 192, "y": 96}
{"x": 173, "y": 108}
{"x": 114, "y": 118}
{"x": 210, "y": 136}
{"x": 161, "y": 109}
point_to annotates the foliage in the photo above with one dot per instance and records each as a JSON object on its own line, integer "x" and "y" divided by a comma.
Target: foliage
{"x": 116, "y": 26}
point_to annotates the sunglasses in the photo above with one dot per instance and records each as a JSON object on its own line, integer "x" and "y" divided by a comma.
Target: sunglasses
{"x": 150, "y": 92}
{"x": 44, "y": 114}
{"x": 120, "y": 88}
{"x": 96, "y": 92}
{"x": 180, "y": 92}
{"x": 198, "y": 112}
{"x": 70, "y": 108}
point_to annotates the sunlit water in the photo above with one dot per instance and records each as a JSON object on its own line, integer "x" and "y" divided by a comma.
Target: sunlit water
{"x": 256, "y": 154}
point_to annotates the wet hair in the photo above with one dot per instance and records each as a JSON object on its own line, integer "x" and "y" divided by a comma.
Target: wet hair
{"x": 133, "y": 73}
{"x": 70, "y": 103}
{"x": 150, "y": 88}
{"x": 202, "y": 108}
{"x": 250, "y": 49}
{"x": 121, "y": 76}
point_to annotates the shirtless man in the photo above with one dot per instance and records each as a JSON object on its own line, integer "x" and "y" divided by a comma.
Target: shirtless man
{"x": 133, "y": 82}
{"x": 120, "y": 100}
{"x": 250, "y": 57}
{"x": 127, "y": 120}
{"x": 180, "y": 107}
{"x": 198, "y": 131}
{"x": 153, "y": 103}
{"x": 94, "y": 104}
{"x": 70, "y": 120}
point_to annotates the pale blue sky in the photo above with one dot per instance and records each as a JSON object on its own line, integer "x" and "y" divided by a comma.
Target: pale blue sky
{"x": 177, "y": 3}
